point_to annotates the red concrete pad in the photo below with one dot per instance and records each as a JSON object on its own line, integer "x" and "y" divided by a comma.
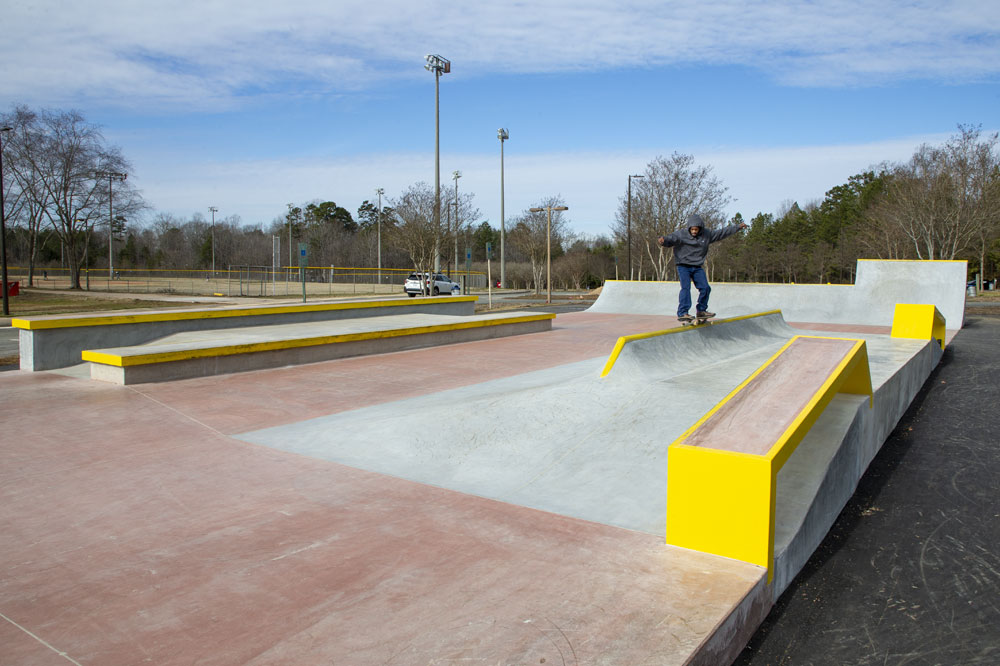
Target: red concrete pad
{"x": 254, "y": 400}
{"x": 134, "y": 533}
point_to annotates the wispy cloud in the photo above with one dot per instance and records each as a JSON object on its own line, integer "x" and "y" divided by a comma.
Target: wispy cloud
{"x": 215, "y": 54}
{"x": 591, "y": 183}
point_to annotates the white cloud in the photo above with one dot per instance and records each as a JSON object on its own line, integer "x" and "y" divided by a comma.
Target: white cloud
{"x": 213, "y": 53}
{"x": 760, "y": 180}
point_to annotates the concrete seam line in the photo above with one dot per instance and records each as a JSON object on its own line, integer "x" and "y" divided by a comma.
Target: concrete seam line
{"x": 43, "y": 641}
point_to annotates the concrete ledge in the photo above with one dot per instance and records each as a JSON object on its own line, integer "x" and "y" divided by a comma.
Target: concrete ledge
{"x": 722, "y": 470}
{"x": 56, "y": 341}
{"x": 242, "y": 350}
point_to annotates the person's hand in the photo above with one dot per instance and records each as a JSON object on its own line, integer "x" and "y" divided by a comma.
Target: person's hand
{"x": 660, "y": 241}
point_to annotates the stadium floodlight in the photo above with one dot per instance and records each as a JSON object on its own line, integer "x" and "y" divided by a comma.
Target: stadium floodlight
{"x": 111, "y": 176}
{"x": 439, "y": 66}
{"x": 503, "y": 135}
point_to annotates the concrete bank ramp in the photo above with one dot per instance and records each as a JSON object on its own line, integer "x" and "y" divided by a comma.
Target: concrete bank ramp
{"x": 562, "y": 440}
{"x": 871, "y": 300}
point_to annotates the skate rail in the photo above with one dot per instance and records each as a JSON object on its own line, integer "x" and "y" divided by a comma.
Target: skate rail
{"x": 722, "y": 471}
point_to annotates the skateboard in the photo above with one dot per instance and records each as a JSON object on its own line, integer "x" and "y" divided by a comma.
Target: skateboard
{"x": 694, "y": 321}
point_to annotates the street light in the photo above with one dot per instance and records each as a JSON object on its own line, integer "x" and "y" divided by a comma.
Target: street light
{"x": 3, "y": 231}
{"x": 378, "y": 225}
{"x": 629, "y": 224}
{"x": 456, "y": 175}
{"x": 503, "y": 135}
{"x": 214, "y": 211}
{"x": 548, "y": 247}
{"x": 439, "y": 66}
{"x": 111, "y": 176}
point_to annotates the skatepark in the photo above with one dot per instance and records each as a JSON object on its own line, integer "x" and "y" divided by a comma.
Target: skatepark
{"x": 605, "y": 488}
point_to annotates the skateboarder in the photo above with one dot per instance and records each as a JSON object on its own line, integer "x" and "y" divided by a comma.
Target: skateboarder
{"x": 690, "y": 249}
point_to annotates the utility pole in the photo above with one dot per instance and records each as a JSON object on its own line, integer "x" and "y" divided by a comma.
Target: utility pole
{"x": 214, "y": 211}
{"x": 111, "y": 176}
{"x": 503, "y": 135}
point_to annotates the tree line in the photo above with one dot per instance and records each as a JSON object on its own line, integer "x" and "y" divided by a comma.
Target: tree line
{"x": 69, "y": 203}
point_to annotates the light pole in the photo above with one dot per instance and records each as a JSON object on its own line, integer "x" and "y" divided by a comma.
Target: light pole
{"x": 3, "y": 231}
{"x": 111, "y": 176}
{"x": 503, "y": 135}
{"x": 214, "y": 211}
{"x": 378, "y": 225}
{"x": 439, "y": 66}
{"x": 456, "y": 175}
{"x": 629, "y": 224}
{"x": 548, "y": 247}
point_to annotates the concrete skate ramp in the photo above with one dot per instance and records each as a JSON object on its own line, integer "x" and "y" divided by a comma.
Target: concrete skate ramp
{"x": 879, "y": 286}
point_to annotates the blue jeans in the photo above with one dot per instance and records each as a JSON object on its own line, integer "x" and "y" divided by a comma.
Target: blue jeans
{"x": 687, "y": 275}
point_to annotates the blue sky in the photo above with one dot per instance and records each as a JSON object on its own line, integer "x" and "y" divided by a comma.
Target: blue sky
{"x": 248, "y": 106}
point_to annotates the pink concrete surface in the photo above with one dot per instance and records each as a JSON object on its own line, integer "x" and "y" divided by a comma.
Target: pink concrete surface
{"x": 135, "y": 530}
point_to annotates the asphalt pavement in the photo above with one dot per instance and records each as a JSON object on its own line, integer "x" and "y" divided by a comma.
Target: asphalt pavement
{"x": 910, "y": 572}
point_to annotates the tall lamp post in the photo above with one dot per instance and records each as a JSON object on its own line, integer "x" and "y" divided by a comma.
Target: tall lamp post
{"x": 214, "y": 210}
{"x": 548, "y": 247}
{"x": 456, "y": 175}
{"x": 629, "y": 223}
{"x": 111, "y": 176}
{"x": 439, "y": 66}
{"x": 503, "y": 135}
{"x": 3, "y": 231}
{"x": 378, "y": 226}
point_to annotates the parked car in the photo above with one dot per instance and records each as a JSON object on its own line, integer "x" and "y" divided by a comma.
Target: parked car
{"x": 442, "y": 284}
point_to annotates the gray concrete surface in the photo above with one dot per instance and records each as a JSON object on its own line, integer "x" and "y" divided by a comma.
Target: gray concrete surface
{"x": 49, "y": 348}
{"x": 553, "y": 440}
{"x": 225, "y": 351}
{"x": 871, "y": 300}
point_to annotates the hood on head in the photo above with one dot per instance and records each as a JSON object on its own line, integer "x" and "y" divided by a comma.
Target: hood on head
{"x": 694, "y": 220}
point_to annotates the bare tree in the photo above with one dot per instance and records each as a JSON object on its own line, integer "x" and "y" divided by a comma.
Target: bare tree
{"x": 670, "y": 190}
{"x": 63, "y": 157}
{"x": 416, "y": 233}
{"x": 945, "y": 198}
{"x": 529, "y": 235}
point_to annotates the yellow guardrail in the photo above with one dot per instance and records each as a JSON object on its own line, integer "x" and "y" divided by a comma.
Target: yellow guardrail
{"x": 722, "y": 501}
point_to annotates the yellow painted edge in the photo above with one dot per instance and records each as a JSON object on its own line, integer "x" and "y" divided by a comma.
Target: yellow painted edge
{"x": 731, "y": 394}
{"x": 625, "y": 339}
{"x": 111, "y": 320}
{"x": 121, "y": 361}
{"x": 786, "y": 444}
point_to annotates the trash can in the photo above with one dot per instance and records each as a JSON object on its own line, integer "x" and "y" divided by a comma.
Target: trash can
{"x": 971, "y": 291}
{"x": 13, "y": 288}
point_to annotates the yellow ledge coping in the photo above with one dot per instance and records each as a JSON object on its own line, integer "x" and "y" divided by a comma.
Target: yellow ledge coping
{"x": 723, "y": 502}
{"x": 125, "y": 360}
{"x": 918, "y": 322}
{"x": 183, "y": 315}
{"x": 626, "y": 339}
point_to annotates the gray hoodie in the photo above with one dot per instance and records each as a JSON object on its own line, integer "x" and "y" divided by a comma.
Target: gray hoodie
{"x": 691, "y": 250}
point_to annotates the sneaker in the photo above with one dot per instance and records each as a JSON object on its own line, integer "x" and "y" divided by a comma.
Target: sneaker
{"x": 705, "y": 315}
{"x": 685, "y": 317}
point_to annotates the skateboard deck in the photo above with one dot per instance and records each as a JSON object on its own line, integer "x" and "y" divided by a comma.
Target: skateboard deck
{"x": 697, "y": 321}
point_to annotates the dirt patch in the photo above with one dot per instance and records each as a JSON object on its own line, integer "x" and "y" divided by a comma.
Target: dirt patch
{"x": 35, "y": 302}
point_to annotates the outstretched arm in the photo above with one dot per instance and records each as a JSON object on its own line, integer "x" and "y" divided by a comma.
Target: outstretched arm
{"x": 725, "y": 232}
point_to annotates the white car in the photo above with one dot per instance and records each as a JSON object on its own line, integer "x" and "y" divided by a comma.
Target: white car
{"x": 442, "y": 285}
